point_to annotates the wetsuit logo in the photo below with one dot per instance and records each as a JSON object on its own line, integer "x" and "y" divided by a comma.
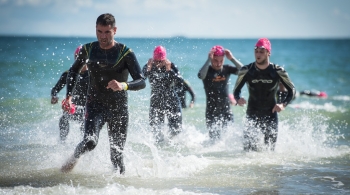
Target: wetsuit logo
{"x": 261, "y": 80}
{"x": 102, "y": 64}
{"x": 219, "y": 78}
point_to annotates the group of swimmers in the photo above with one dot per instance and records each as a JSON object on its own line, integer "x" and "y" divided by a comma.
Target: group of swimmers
{"x": 104, "y": 99}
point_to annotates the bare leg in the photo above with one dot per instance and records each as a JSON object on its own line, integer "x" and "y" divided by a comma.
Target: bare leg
{"x": 69, "y": 165}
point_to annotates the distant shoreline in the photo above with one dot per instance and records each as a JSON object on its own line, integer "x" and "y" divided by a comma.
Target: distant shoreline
{"x": 177, "y": 37}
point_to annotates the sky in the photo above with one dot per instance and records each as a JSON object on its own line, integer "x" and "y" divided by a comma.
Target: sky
{"x": 171, "y": 18}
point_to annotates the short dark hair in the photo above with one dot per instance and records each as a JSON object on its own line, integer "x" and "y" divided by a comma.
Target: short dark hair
{"x": 106, "y": 20}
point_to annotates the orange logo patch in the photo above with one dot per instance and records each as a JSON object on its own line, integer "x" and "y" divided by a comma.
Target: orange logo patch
{"x": 219, "y": 78}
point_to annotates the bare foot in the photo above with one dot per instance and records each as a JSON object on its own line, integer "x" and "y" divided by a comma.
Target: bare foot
{"x": 72, "y": 161}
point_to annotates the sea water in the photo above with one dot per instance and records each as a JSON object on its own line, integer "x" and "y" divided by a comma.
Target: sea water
{"x": 312, "y": 154}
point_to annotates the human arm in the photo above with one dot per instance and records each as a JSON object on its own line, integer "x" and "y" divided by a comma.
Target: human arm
{"x": 189, "y": 89}
{"x": 204, "y": 70}
{"x": 236, "y": 62}
{"x": 148, "y": 67}
{"x": 146, "y": 70}
{"x": 287, "y": 84}
{"x": 281, "y": 93}
{"x": 174, "y": 72}
{"x": 72, "y": 78}
{"x": 134, "y": 68}
{"x": 241, "y": 79}
{"x": 232, "y": 99}
{"x": 58, "y": 87}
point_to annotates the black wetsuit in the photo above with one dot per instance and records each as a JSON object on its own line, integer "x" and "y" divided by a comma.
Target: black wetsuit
{"x": 79, "y": 99}
{"x": 164, "y": 100}
{"x": 262, "y": 87}
{"x": 181, "y": 89}
{"x": 218, "y": 110}
{"x": 311, "y": 93}
{"x": 104, "y": 105}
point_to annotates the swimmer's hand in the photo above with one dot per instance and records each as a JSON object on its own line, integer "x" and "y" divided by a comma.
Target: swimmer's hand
{"x": 149, "y": 64}
{"x": 278, "y": 108}
{"x": 211, "y": 54}
{"x": 54, "y": 100}
{"x": 241, "y": 101}
{"x": 67, "y": 104}
{"x": 116, "y": 86}
{"x": 228, "y": 54}
{"x": 167, "y": 65}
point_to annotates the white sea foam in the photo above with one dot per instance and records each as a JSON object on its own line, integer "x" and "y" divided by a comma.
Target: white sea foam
{"x": 327, "y": 106}
{"x": 341, "y": 98}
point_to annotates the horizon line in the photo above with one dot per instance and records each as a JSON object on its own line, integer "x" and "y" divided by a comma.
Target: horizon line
{"x": 171, "y": 37}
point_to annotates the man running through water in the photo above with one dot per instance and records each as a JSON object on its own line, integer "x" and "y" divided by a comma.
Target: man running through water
{"x": 79, "y": 99}
{"x": 262, "y": 79}
{"x": 215, "y": 76}
{"x": 163, "y": 76}
{"x": 109, "y": 64}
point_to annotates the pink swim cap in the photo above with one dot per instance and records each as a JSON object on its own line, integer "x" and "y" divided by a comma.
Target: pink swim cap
{"x": 76, "y": 53}
{"x": 72, "y": 109}
{"x": 159, "y": 53}
{"x": 218, "y": 50}
{"x": 263, "y": 43}
{"x": 322, "y": 94}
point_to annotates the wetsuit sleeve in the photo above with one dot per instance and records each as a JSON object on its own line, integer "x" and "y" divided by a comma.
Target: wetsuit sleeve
{"x": 287, "y": 84}
{"x": 204, "y": 70}
{"x": 175, "y": 74}
{"x": 234, "y": 70}
{"x": 145, "y": 72}
{"x": 134, "y": 68}
{"x": 237, "y": 63}
{"x": 74, "y": 70}
{"x": 189, "y": 89}
{"x": 60, "y": 84}
{"x": 241, "y": 79}
{"x": 231, "y": 69}
{"x": 281, "y": 96}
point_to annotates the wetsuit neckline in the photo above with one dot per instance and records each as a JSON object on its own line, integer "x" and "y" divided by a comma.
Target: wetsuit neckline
{"x": 115, "y": 43}
{"x": 259, "y": 69}
{"x": 218, "y": 71}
